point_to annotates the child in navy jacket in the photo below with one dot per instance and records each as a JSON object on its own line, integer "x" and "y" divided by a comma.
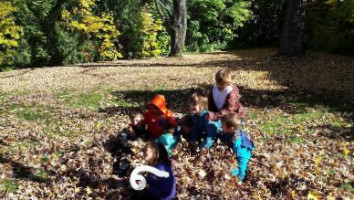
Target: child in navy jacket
{"x": 157, "y": 187}
{"x": 198, "y": 106}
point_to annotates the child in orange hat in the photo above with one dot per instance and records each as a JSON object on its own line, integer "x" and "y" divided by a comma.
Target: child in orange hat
{"x": 158, "y": 118}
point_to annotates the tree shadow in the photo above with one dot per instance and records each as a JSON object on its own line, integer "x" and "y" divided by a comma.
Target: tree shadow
{"x": 23, "y": 72}
{"x": 334, "y": 132}
{"x": 91, "y": 175}
{"x": 177, "y": 100}
{"x": 113, "y": 110}
{"x": 22, "y": 172}
{"x": 289, "y": 101}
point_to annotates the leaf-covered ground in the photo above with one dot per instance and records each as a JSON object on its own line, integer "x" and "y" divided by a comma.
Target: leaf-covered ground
{"x": 59, "y": 127}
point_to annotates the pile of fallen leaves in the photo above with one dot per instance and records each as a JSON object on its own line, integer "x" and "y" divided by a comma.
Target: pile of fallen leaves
{"x": 275, "y": 170}
{"x": 50, "y": 150}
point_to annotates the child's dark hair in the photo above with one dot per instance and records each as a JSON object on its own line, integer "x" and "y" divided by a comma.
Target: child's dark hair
{"x": 231, "y": 120}
{"x": 171, "y": 129}
{"x": 160, "y": 151}
{"x": 196, "y": 98}
{"x": 135, "y": 113}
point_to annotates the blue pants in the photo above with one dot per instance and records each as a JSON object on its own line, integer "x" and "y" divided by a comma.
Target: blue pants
{"x": 242, "y": 155}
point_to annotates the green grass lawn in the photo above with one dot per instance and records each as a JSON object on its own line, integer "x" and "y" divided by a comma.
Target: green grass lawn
{"x": 54, "y": 132}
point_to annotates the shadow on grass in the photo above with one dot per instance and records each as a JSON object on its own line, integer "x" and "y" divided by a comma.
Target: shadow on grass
{"x": 334, "y": 132}
{"x": 290, "y": 101}
{"x": 22, "y": 172}
{"x": 112, "y": 110}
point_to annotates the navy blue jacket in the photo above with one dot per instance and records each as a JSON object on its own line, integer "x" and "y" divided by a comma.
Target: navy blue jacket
{"x": 162, "y": 188}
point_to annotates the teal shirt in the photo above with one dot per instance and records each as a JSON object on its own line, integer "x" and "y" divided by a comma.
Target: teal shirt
{"x": 240, "y": 150}
{"x": 169, "y": 140}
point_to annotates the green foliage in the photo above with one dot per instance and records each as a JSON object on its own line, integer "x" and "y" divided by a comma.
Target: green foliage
{"x": 127, "y": 16}
{"x": 330, "y": 26}
{"x": 142, "y": 34}
{"x": 264, "y": 28}
{"x": 56, "y": 32}
{"x": 34, "y": 18}
{"x": 212, "y": 24}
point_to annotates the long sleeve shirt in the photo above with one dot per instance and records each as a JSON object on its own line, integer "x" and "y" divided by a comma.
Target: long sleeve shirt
{"x": 162, "y": 188}
{"x": 231, "y": 103}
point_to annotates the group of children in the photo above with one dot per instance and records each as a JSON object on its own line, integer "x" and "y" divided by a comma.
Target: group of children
{"x": 220, "y": 115}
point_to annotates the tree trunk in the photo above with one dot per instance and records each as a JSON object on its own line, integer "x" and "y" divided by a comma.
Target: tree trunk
{"x": 178, "y": 27}
{"x": 292, "y": 32}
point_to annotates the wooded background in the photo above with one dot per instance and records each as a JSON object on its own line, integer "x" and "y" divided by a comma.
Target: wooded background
{"x": 56, "y": 32}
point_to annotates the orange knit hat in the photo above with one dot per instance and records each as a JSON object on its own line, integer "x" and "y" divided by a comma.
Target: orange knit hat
{"x": 160, "y": 102}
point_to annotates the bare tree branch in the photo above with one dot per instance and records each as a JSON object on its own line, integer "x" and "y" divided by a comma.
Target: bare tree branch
{"x": 159, "y": 11}
{"x": 165, "y": 7}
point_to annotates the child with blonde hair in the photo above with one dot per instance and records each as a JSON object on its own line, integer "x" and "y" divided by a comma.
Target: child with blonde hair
{"x": 198, "y": 107}
{"x": 223, "y": 99}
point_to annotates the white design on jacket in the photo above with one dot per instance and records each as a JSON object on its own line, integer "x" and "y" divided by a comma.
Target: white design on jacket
{"x": 135, "y": 176}
{"x": 220, "y": 96}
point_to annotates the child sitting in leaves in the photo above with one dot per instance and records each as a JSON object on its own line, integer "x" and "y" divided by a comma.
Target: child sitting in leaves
{"x": 157, "y": 187}
{"x": 192, "y": 125}
{"x": 136, "y": 127}
{"x": 186, "y": 126}
{"x": 158, "y": 118}
{"x": 239, "y": 141}
{"x": 223, "y": 99}
{"x": 198, "y": 106}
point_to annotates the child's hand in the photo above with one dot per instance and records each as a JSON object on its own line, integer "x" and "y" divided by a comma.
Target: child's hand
{"x": 211, "y": 116}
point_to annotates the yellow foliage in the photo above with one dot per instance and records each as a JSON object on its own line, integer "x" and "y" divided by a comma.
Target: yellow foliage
{"x": 101, "y": 27}
{"x": 313, "y": 195}
{"x": 9, "y": 32}
{"x": 150, "y": 27}
{"x": 346, "y": 152}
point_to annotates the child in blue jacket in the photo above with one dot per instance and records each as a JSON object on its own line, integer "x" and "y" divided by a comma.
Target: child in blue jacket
{"x": 241, "y": 145}
{"x": 198, "y": 107}
{"x": 199, "y": 118}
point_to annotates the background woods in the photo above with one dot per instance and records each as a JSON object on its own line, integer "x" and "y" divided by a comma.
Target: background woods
{"x": 61, "y": 127}
{"x": 38, "y": 33}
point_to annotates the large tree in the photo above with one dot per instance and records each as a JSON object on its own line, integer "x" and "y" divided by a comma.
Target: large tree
{"x": 174, "y": 18}
{"x": 292, "y": 32}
